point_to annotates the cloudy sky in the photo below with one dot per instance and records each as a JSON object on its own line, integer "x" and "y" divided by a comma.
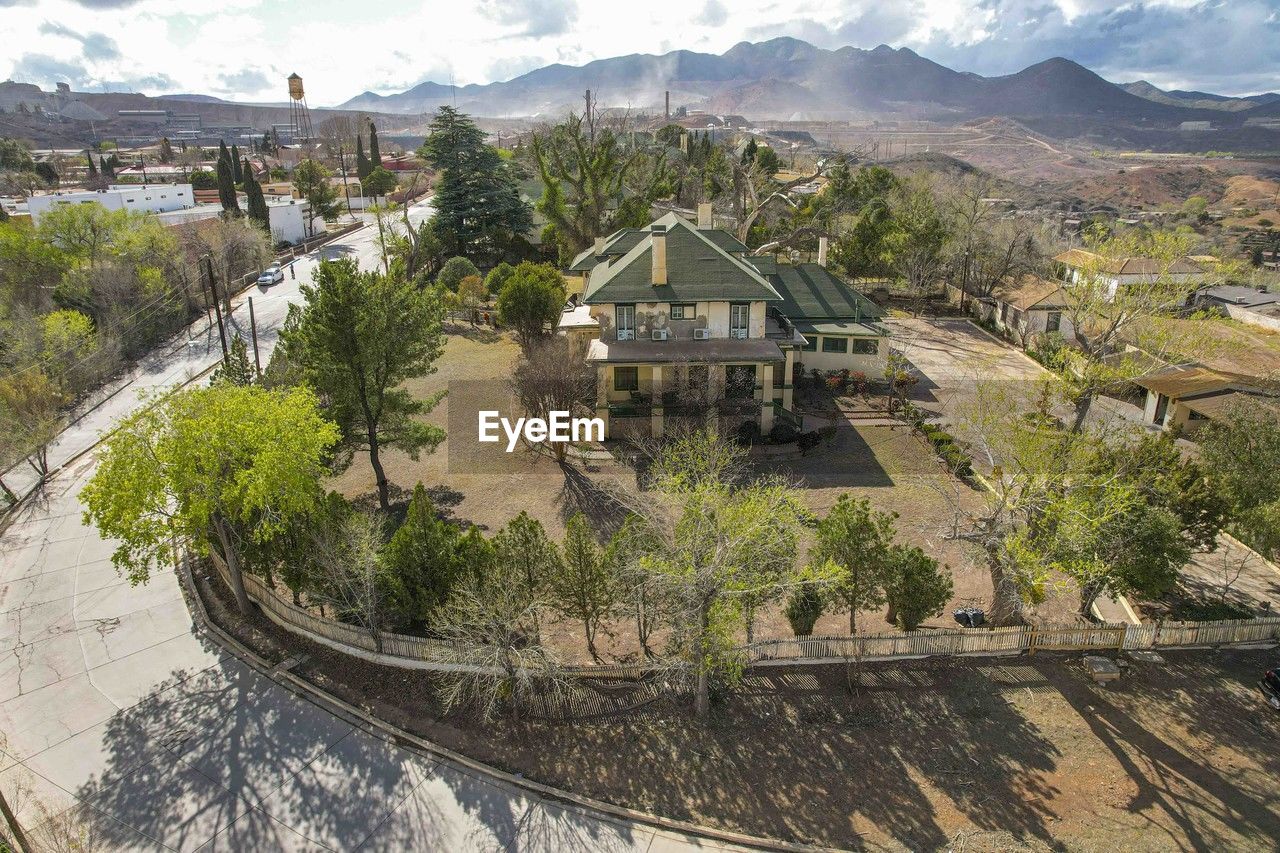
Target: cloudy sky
{"x": 245, "y": 48}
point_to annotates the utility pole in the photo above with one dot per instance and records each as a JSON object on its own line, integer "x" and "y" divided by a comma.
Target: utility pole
{"x": 253, "y": 330}
{"x": 217, "y": 309}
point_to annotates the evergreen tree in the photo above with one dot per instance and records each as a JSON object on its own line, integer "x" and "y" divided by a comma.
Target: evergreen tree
{"x": 375, "y": 158}
{"x": 478, "y": 207}
{"x": 93, "y": 169}
{"x": 166, "y": 150}
{"x": 238, "y": 369}
{"x": 227, "y": 188}
{"x": 108, "y": 171}
{"x": 362, "y": 162}
{"x": 237, "y": 175}
{"x": 258, "y": 210}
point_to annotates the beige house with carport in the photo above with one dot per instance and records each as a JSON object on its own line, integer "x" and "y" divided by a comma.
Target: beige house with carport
{"x": 1184, "y": 398}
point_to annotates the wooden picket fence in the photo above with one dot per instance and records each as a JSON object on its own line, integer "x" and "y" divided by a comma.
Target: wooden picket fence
{"x": 442, "y": 655}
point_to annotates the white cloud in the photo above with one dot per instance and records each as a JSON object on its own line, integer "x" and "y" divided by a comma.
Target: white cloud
{"x": 245, "y": 48}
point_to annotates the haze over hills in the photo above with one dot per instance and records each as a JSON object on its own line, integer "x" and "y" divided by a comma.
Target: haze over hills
{"x": 787, "y": 78}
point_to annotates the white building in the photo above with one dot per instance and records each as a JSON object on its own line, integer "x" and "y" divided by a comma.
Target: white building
{"x": 1075, "y": 266}
{"x": 288, "y": 219}
{"x": 146, "y": 198}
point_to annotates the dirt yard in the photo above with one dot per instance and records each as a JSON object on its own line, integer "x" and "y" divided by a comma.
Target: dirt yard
{"x": 984, "y": 754}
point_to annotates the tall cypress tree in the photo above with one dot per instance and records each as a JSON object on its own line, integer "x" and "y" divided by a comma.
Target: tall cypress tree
{"x": 93, "y": 168}
{"x": 108, "y": 171}
{"x": 227, "y": 188}
{"x": 236, "y": 172}
{"x": 223, "y": 153}
{"x": 375, "y": 159}
{"x": 362, "y": 162}
{"x": 258, "y": 210}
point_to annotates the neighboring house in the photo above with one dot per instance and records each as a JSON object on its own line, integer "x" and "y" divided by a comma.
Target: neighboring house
{"x": 1256, "y": 306}
{"x": 1185, "y": 397}
{"x": 1024, "y": 309}
{"x": 144, "y": 198}
{"x": 681, "y": 323}
{"x": 1073, "y": 265}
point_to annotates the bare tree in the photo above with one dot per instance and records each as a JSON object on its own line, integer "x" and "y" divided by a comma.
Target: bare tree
{"x": 550, "y": 377}
{"x": 349, "y": 575}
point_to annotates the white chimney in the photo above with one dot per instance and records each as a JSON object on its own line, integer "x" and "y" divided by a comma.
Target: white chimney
{"x": 705, "y": 219}
{"x": 659, "y": 254}
{"x": 822, "y": 251}
{"x": 599, "y": 246}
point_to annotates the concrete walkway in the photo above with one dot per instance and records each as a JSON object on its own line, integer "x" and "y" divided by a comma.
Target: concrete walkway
{"x": 123, "y": 724}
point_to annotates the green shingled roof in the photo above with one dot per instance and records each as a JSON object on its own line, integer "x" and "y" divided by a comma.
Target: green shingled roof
{"x": 698, "y": 270}
{"x": 811, "y": 294}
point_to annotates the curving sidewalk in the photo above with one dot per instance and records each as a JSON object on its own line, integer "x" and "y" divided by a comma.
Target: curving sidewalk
{"x": 122, "y": 718}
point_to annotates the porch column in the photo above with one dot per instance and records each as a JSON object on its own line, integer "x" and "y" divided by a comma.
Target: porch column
{"x": 656, "y": 412}
{"x": 604, "y": 381}
{"x": 717, "y": 380}
{"x": 788, "y": 378}
{"x": 766, "y": 407}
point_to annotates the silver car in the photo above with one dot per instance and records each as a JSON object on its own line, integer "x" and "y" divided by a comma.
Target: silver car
{"x": 271, "y": 275}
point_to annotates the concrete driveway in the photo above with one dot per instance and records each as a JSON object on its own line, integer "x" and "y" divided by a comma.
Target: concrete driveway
{"x": 952, "y": 356}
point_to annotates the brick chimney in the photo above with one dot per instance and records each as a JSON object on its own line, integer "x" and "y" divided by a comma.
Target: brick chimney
{"x": 822, "y": 251}
{"x": 659, "y": 254}
{"x": 705, "y": 219}
{"x": 599, "y": 245}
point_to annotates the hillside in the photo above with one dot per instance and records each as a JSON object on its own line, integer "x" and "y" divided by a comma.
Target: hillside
{"x": 1197, "y": 100}
{"x": 785, "y": 76}
{"x": 1149, "y": 187}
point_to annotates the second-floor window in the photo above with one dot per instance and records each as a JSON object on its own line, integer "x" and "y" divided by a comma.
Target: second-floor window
{"x": 739, "y": 312}
{"x": 625, "y": 316}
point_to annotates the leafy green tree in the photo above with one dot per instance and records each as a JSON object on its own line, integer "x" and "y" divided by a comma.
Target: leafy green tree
{"x": 804, "y": 607}
{"x": 379, "y": 182}
{"x": 311, "y": 180}
{"x": 531, "y": 301}
{"x": 715, "y": 537}
{"x": 358, "y": 338}
{"x": 768, "y": 161}
{"x": 917, "y": 588}
{"x": 584, "y": 585}
{"x": 454, "y": 271}
{"x": 1242, "y": 455}
{"x": 854, "y": 540}
{"x": 227, "y": 188}
{"x": 203, "y": 179}
{"x": 497, "y": 277}
{"x": 30, "y": 268}
{"x": 426, "y": 558}
{"x": 591, "y": 181}
{"x": 31, "y": 417}
{"x": 68, "y": 341}
{"x": 211, "y": 465}
{"x": 471, "y": 295}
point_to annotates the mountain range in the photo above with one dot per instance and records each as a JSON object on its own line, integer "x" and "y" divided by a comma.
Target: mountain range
{"x": 786, "y": 78}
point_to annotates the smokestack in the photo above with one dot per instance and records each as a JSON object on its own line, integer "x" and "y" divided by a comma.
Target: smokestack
{"x": 659, "y": 253}
{"x": 666, "y": 111}
{"x": 822, "y": 251}
{"x": 705, "y": 219}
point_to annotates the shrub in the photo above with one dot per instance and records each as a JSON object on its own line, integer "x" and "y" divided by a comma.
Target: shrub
{"x": 804, "y": 606}
{"x": 783, "y": 432}
{"x": 454, "y": 271}
{"x": 835, "y": 383}
{"x": 859, "y": 382}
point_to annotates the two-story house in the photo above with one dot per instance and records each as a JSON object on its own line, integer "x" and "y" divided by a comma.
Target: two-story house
{"x": 680, "y": 322}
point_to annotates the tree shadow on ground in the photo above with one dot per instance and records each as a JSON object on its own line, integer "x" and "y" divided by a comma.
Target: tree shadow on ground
{"x": 603, "y": 509}
{"x": 1196, "y": 801}
{"x": 847, "y": 461}
{"x": 478, "y": 334}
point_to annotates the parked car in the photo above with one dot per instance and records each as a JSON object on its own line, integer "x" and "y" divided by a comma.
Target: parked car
{"x": 271, "y": 275}
{"x": 1270, "y": 686}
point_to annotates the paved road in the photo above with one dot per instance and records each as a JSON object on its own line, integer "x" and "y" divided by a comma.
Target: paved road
{"x": 118, "y": 717}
